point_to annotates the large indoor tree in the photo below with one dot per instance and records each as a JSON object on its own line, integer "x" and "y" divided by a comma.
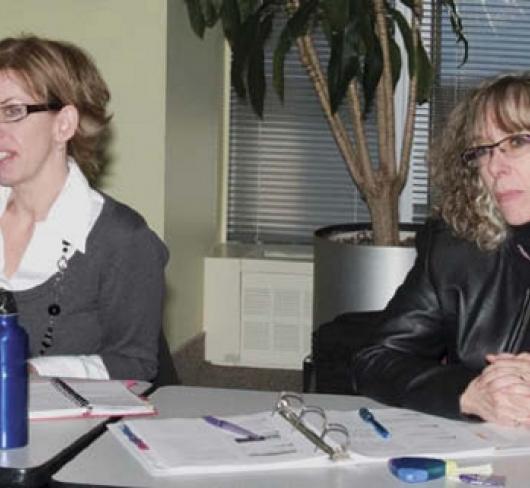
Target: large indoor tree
{"x": 364, "y": 66}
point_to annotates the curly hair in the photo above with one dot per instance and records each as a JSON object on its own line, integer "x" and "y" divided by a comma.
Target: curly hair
{"x": 57, "y": 71}
{"x": 464, "y": 202}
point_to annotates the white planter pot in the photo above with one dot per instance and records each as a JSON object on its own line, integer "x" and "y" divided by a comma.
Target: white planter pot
{"x": 356, "y": 277}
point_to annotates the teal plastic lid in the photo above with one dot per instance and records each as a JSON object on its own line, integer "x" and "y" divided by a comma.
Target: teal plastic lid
{"x": 416, "y": 469}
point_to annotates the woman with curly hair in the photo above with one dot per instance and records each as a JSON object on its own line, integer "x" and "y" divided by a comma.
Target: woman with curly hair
{"x": 86, "y": 271}
{"x": 454, "y": 339}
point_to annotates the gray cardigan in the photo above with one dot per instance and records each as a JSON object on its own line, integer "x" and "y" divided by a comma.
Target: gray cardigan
{"x": 110, "y": 297}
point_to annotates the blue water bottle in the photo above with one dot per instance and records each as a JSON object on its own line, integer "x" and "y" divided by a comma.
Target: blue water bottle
{"x": 13, "y": 376}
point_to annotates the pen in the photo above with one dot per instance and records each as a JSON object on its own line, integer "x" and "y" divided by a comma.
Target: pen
{"x": 368, "y": 417}
{"x": 139, "y": 443}
{"x": 234, "y": 428}
{"x": 482, "y": 480}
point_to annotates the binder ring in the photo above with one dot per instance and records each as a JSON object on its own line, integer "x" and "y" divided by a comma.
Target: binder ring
{"x": 295, "y": 414}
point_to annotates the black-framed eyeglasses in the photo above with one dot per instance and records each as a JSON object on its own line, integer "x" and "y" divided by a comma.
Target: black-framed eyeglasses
{"x": 513, "y": 146}
{"x": 19, "y": 111}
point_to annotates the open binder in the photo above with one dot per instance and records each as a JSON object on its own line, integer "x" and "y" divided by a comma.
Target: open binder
{"x": 67, "y": 398}
{"x": 297, "y": 435}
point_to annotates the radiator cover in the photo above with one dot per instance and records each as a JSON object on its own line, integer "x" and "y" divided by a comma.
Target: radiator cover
{"x": 258, "y": 305}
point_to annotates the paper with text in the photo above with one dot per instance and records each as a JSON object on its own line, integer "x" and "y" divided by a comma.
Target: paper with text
{"x": 187, "y": 446}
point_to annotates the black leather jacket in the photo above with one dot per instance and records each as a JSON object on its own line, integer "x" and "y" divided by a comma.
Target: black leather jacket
{"x": 457, "y": 304}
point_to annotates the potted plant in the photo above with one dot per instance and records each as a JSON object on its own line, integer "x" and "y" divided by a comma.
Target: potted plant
{"x": 364, "y": 66}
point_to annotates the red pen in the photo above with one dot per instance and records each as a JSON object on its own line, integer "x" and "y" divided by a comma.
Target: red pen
{"x": 139, "y": 443}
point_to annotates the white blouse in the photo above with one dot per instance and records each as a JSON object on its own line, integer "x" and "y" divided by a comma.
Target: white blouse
{"x": 71, "y": 218}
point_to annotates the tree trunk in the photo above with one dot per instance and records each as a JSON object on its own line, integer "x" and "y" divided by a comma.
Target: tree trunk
{"x": 380, "y": 187}
{"x": 384, "y": 211}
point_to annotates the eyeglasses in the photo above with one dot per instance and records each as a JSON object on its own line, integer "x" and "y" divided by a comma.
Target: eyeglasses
{"x": 19, "y": 111}
{"x": 513, "y": 147}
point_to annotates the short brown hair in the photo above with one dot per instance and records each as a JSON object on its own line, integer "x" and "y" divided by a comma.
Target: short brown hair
{"x": 58, "y": 71}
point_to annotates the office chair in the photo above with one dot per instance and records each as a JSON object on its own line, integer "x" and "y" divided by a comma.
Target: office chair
{"x": 334, "y": 345}
{"x": 167, "y": 374}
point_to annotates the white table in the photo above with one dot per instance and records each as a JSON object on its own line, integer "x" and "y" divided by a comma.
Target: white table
{"x": 105, "y": 462}
{"x": 51, "y": 444}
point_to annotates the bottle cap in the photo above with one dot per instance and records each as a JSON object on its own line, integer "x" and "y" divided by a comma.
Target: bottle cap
{"x": 8, "y": 305}
{"x": 417, "y": 469}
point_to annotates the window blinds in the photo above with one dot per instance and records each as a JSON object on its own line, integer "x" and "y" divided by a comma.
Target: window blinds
{"x": 499, "y": 41}
{"x": 286, "y": 176}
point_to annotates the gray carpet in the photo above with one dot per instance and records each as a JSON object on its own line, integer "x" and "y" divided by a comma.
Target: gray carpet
{"x": 193, "y": 370}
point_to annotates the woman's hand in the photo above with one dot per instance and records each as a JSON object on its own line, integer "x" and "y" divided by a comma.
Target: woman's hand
{"x": 501, "y": 393}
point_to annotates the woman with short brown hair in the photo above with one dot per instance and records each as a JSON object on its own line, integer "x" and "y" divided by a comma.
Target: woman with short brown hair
{"x": 86, "y": 271}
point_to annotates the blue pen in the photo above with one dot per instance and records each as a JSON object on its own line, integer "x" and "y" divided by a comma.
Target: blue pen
{"x": 368, "y": 417}
{"x": 234, "y": 428}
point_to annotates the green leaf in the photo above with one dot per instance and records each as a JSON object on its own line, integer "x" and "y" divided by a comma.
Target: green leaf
{"x": 425, "y": 73}
{"x": 335, "y": 69}
{"x": 241, "y": 49}
{"x": 372, "y": 71}
{"x": 296, "y": 26}
{"x": 211, "y": 9}
{"x": 357, "y": 42}
{"x": 256, "y": 69}
{"x": 299, "y": 21}
{"x": 406, "y": 33}
{"x": 337, "y": 13}
{"x": 395, "y": 60}
{"x": 231, "y": 20}
{"x": 278, "y": 61}
{"x": 236, "y": 78}
{"x": 196, "y": 17}
{"x": 350, "y": 63}
{"x": 457, "y": 26}
{"x": 343, "y": 65}
{"x": 248, "y": 7}
{"x": 368, "y": 49}
{"x": 326, "y": 28}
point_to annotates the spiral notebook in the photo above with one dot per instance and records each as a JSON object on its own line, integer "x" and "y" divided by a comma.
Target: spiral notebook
{"x": 296, "y": 436}
{"x": 67, "y": 398}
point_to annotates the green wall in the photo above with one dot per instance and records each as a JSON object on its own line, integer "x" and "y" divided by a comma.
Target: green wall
{"x": 139, "y": 46}
{"x": 127, "y": 39}
{"x": 193, "y": 121}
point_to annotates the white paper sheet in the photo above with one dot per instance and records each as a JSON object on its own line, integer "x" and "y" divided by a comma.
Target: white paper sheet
{"x": 186, "y": 446}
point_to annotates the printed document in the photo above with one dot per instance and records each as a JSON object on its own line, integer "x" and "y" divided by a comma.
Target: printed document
{"x": 184, "y": 446}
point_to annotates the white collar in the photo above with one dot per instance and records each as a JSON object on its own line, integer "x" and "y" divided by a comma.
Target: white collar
{"x": 69, "y": 215}
{"x": 70, "y": 218}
